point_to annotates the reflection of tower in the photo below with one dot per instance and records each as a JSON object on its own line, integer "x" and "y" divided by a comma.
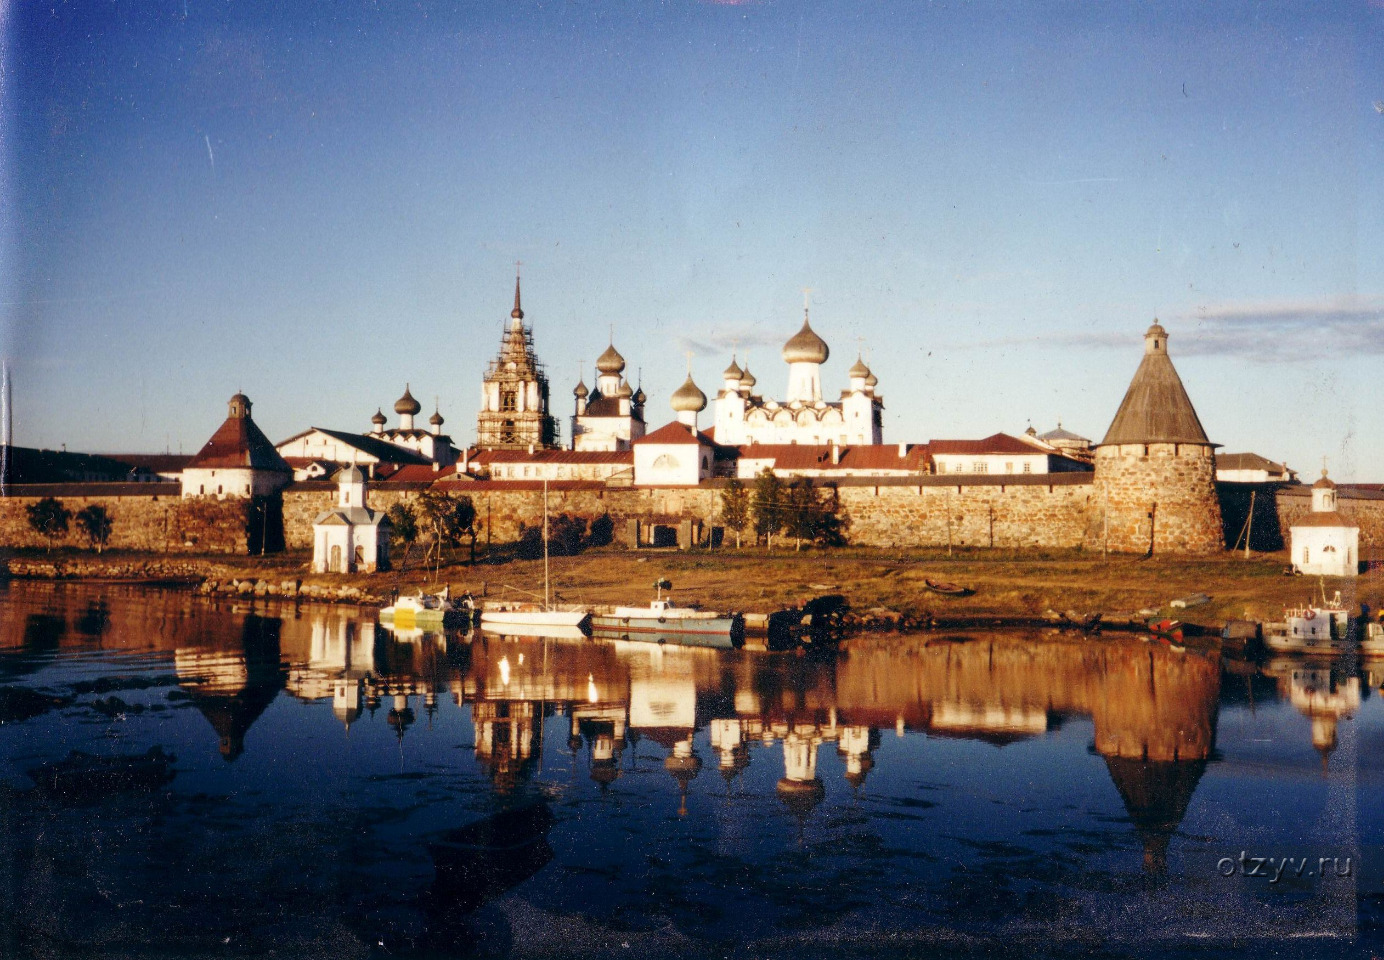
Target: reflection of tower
{"x": 684, "y": 765}
{"x": 1316, "y": 694}
{"x": 346, "y": 700}
{"x": 401, "y": 716}
{"x": 232, "y": 689}
{"x": 505, "y": 733}
{"x": 1156, "y": 793}
{"x": 800, "y": 790}
{"x": 728, "y": 740}
{"x": 855, "y": 745}
{"x": 606, "y": 739}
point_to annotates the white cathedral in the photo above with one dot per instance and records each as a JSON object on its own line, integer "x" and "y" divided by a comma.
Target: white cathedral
{"x": 803, "y": 417}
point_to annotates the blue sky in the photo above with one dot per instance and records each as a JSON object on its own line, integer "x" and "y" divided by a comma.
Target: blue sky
{"x": 317, "y": 203}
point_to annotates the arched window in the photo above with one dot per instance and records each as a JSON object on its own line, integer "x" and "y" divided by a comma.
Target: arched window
{"x": 509, "y": 400}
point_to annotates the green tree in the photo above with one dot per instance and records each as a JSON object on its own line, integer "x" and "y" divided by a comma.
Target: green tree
{"x": 445, "y": 520}
{"x": 735, "y": 508}
{"x": 799, "y": 514}
{"x": 403, "y": 522}
{"x": 49, "y": 519}
{"x": 832, "y": 521}
{"x": 96, "y": 524}
{"x": 767, "y": 505}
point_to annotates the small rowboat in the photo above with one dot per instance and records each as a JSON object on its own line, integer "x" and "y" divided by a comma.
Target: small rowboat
{"x": 1166, "y": 629}
{"x": 949, "y": 589}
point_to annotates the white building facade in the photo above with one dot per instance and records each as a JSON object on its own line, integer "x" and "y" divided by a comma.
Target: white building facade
{"x": 1324, "y": 543}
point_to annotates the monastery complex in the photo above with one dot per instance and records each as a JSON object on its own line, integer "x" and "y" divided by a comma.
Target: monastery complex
{"x": 1152, "y": 484}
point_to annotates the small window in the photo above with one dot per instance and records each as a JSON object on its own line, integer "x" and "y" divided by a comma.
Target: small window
{"x": 1304, "y": 555}
{"x": 1009, "y": 468}
{"x": 979, "y": 467}
{"x": 1028, "y": 468}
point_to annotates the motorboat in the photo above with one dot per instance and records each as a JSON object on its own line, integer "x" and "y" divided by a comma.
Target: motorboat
{"x": 1309, "y": 629}
{"x": 440, "y": 608}
{"x": 1373, "y": 643}
{"x": 663, "y": 621}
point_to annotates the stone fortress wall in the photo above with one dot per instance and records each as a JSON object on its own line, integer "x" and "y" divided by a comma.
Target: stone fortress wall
{"x": 1055, "y": 511}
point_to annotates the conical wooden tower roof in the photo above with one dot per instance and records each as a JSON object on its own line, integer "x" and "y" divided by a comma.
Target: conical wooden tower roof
{"x": 1156, "y": 408}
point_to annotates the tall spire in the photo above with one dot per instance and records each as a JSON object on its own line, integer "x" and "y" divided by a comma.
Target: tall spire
{"x": 518, "y": 312}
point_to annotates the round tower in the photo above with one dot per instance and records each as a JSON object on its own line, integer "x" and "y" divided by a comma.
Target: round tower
{"x": 1155, "y": 471}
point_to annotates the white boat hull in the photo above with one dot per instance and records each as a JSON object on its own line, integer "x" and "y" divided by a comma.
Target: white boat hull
{"x": 497, "y": 619}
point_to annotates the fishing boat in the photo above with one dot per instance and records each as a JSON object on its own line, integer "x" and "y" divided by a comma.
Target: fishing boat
{"x": 1373, "y": 643}
{"x": 663, "y": 621}
{"x": 526, "y": 618}
{"x": 1309, "y": 629}
{"x": 429, "y": 608}
{"x": 949, "y": 589}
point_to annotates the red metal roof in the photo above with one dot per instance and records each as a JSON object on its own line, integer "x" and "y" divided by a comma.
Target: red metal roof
{"x": 239, "y": 443}
{"x": 999, "y": 443}
{"x": 553, "y": 456}
{"x": 676, "y": 432}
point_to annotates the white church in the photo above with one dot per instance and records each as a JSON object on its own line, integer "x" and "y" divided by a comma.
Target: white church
{"x": 1324, "y": 543}
{"x": 350, "y": 538}
{"x": 803, "y": 417}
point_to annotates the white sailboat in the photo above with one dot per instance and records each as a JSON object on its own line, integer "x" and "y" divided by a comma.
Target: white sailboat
{"x": 530, "y": 619}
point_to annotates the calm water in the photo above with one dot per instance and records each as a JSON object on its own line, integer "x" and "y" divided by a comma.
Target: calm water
{"x": 184, "y": 776}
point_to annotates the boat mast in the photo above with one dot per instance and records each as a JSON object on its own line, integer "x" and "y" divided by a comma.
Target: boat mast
{"x": 546, "y": 604}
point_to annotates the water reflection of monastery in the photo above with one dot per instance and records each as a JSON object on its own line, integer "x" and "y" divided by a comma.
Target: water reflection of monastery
{"x": 1152, "y": 709}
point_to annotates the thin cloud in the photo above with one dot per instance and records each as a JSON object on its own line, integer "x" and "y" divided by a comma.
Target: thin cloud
{"x": 719, "y": 344}
{"x": 1270, "y": 331}
{"x": 1287, "y": 330}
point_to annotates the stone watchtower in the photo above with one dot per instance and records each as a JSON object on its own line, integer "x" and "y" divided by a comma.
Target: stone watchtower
{"x": 1155, "y": 478}
{"x": 514, "y": 398}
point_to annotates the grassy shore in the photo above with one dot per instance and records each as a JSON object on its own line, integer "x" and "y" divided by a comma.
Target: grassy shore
{"x": 1006, "y": 583}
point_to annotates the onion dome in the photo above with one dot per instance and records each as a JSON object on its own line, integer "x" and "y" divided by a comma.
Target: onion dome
{"x": 639, "y": 397}
{"x": 436, "y": 418}
{"x": 733, "y": 372}
{"x": 406, "y": 404}
{"x": 858, "y": 370}
{"x": 872, "y": 381}
{"x": 379, "y": 418}
{"x": 581, "y": 393}
{"x": 610, "y": 361}
{"x": 624, "y": 391}
{"x": 687, "y": 398}
{"x": 805, "y": 346}
{"x": 748, "y": 380}
{"x": 1325, "y": 483}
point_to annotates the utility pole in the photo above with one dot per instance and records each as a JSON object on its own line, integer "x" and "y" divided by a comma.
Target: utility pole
{"x": 1249, "y": 524}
